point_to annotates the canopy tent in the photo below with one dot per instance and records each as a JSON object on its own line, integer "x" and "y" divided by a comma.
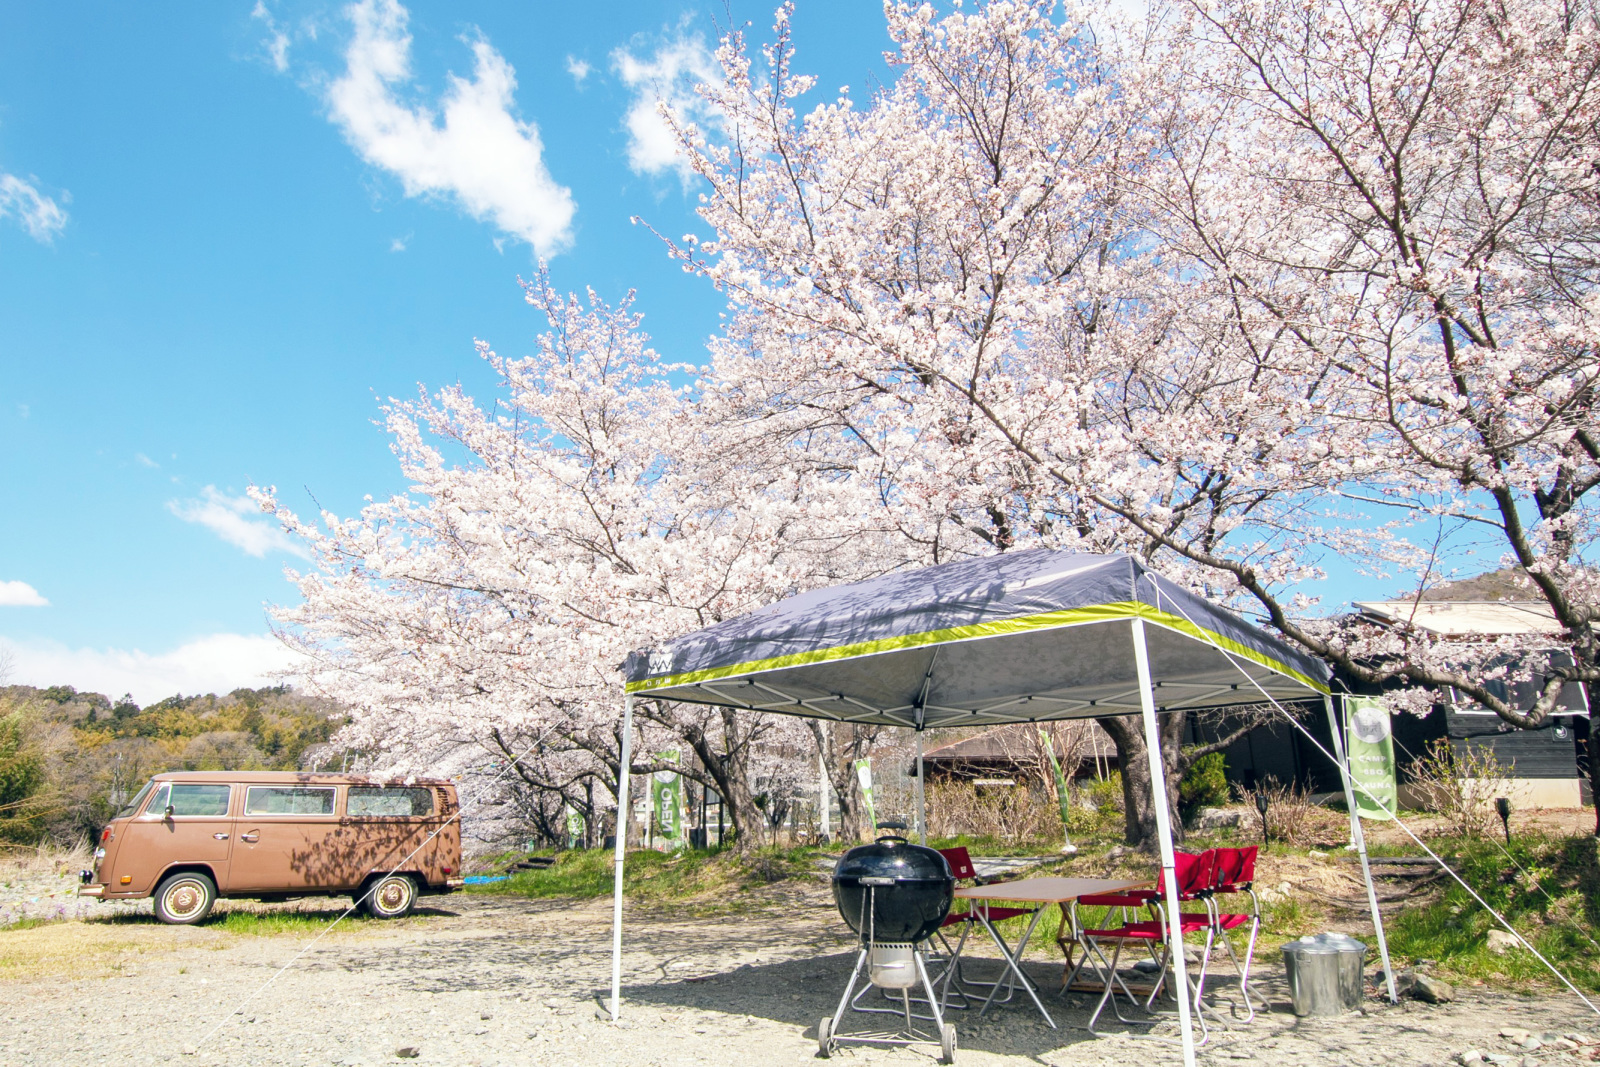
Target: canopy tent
{"x": 1022, "y": 637}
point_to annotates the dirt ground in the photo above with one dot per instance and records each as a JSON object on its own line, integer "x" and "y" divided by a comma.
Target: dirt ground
{"x": 492, "y": 981}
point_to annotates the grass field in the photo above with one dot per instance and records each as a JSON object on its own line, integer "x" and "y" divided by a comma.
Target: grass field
{"x": 1547, "y": 884}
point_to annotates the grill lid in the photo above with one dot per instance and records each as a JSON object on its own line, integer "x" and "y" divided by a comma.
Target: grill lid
{"x": 910, "y": 886}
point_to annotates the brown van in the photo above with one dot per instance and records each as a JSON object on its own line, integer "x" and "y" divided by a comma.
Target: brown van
{"x": 191, "y": 837}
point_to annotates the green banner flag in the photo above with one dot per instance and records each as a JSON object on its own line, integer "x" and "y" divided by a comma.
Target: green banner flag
{"x": 864, "y": 776}
{"x": 1061, "y": 779}
{"x": 1371, "y": 752}
{"x": 666, "y": 797}
{"x": 574, "y": 827}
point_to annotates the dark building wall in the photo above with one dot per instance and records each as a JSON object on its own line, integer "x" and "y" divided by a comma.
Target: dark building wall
{"x": 1548, "y": 752}
{"x": 1275, "y": 750}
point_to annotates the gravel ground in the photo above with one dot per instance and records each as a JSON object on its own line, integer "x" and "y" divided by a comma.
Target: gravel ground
{"x": 47, "y": 888}
{"x": 486, "y": 980}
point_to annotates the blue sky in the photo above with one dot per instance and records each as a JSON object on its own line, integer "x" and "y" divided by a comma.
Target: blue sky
{"x": 226, "y": 238}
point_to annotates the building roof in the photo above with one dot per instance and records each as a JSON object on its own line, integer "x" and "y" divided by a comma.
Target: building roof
{"x": 1461, "y": 618}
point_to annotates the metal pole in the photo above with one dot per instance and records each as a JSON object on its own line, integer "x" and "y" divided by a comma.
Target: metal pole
{"x": 922, "y": 797}
{"x": 1169, "y": 864}
{"x": 1359, "y": 839}
{"x": 623, "y": 813}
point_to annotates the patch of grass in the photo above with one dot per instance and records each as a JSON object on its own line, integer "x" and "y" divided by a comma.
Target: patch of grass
{"x": 26, "y": 923}
{"x": 1549, "y": 889}
{"x": 659, "y": 878}
{"x": 86, "y": 949}
{"x": 272, "y": 923}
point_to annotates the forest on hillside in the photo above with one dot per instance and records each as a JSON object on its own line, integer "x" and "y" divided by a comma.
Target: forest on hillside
{"x": 69, "y": 760}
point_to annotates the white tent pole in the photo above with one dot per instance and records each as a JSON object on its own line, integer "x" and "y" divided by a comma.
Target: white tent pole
{"x": 1169, "y": 863}
{"x": 623, "y": 814}
{"x": 922, "y": 797}
{"x": 1336, "y": 728}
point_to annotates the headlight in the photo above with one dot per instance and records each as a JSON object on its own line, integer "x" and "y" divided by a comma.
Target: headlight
{"x": 99, "y": 854}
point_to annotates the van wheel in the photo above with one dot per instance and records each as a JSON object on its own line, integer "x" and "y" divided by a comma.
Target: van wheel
{"x": 185, "y": 898}
{"x": 389, "y": 897}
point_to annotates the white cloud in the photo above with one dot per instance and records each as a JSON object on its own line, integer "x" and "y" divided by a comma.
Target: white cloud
{"x": 41, "y": 216}
{"x": 215, "y": 664}
{"x": 21, "y": 595}
{"x": 238, "y": 521}
{"x": 277, "y": 42}
{"x": 145, "y": 461}
{"x": 481, "y": 153}
{"x": 398, "y": 244}
{"x": 669, "y": 75}
{"x": 579, "y": 69}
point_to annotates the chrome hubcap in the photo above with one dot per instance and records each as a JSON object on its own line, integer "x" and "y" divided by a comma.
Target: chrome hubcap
{"x": 184, "y": 899}
{"x": 391, "y": 896}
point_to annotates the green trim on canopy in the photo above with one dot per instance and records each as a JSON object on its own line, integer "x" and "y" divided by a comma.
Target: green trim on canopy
{"x": 1131, "y": 609}
{"x": 1016, "y": 637}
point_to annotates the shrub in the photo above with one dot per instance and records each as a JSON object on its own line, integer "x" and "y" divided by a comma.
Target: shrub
{"x": 1460, "y": 786}
{"x": 21, "y": 777}
{"x": 1204, "y": 785}
{"x": 1105, "y": 794}
{"x": 1292, "y": 816}
{"x": 958, "y": 809}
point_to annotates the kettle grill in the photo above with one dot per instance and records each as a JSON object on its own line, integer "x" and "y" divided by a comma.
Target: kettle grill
{"x": 894, "y": 895}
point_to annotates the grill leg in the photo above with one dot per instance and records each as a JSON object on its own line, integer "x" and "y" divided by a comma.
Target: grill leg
{"x": 844, "y": 1001}
{"x": 938, "y": 1014}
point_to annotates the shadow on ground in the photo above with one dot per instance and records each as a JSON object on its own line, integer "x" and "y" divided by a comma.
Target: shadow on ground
{"x": 800, "y": 992}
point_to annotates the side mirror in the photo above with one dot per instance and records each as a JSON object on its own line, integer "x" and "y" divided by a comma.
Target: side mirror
{"x": 169, "y": 811}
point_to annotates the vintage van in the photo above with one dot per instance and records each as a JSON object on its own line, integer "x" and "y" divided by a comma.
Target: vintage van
{"x": 190, "y": 837}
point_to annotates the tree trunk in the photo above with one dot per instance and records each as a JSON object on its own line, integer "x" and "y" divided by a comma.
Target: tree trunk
{"x": 1139, "y": 813}
{"x": 841, "y": 746}
{"x": 1593, "y": 754}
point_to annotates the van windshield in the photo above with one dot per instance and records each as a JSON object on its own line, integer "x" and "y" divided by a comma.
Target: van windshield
{"x": 137, "y": 802}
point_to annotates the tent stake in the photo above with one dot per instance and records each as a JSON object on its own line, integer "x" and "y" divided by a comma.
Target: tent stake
{"x": 1359, "y": 839}
{"x": 1169, "y": 864}
{"x": 623, "y": 815}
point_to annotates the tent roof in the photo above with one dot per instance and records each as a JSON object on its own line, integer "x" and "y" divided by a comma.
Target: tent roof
{"x": 1019, "y": 637}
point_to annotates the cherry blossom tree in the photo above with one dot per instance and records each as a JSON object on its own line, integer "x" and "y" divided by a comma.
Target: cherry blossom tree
{"x": 1234, "y": 287}
{"x": 585, "y": 515}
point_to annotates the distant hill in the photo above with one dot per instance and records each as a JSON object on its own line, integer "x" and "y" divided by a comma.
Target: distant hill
{"x": 1507, "y": 583}
{"x": 89, "y": 754}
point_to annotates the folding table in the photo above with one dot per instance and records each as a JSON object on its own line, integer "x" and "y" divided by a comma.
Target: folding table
{"x": 1043, "y": 892}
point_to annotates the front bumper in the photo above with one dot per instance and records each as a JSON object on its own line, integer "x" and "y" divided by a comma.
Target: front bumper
{"x": 97, "y": 891}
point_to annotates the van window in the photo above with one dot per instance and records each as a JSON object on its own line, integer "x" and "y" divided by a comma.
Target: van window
{"x": 380, "y": 801}
{"x": 136, "y": 805}
{"x": 288, "y": 800}
{"x": 199, "y": 800}
{"x": 158, "y": 801}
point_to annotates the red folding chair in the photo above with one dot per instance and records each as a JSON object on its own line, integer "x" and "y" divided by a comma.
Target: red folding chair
{"x": 1235, "y": 872}
{"x": 1194, "y": 877}
{"x": 960, "y": 862}
{"x": 1130, "y": 902}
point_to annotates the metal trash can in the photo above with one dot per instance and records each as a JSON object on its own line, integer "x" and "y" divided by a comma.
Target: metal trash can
{"x": 1325, "y": 974}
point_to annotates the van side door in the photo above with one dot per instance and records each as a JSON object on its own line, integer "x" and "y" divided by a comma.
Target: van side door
{"x": 283, "y": 833}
